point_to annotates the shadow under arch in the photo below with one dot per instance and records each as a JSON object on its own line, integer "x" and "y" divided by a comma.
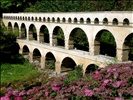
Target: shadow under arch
{"x": 58, "y": 37}
{"x": 16, "y": 29}
{"x": 50, "y": 61}
{"x": 44, "y": 34}
{"x": 32, "y": 32}
{"x": 68, "y": 64}
{"x": 128, "y": 48}
{"x": 91, "y": 68}
{"x": 10, "y": 27}
{"x": 105, "y": 43}
{"x": 36, "y": 55}
{"x": 78, "y": 40}
{"x": 23, "y": 34}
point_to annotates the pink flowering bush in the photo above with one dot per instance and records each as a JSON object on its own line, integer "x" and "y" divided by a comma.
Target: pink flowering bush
{"x": 114, "y": 82}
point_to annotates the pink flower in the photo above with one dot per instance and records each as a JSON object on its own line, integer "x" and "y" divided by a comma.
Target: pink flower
{"x": 97, "y": 75}
{"x": 117, "y": 84}
{"x": 18, "y": 98}
{"x": 105, "y": 82}
{"x": 56, "y": 88}
{"x": 115, "y": 75}
{"x": 73, "y": 88}
{"x": 5, "y": 98}
{"x": 119, "y": 99}
{"x": 89, "y": 93}
{"x": 46, "y": 93}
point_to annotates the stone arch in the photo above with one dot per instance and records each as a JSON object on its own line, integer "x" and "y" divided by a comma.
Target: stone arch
{"x": 32, "y": 18}
{"x": 25, "y": 18}
{"x": 128, "y": 48}
{"x": 81, "y": 20}
{"x": 63, "y": 20}
{"x": 23, "y": 33}
{"x": 40, "y": 19}
{"x": 105, "y": 21}
{"x": 50, "y": 61}
{"x": 10, "y": 28}
{"x": 25, "y": 52}
{"x": 44, "y": 19}
{"x": 36, "y": 55}
{"x": 88, "y": 21}
{"x": 96, "y": 21}
{"x": 78, "y": 40}
{"x": 35, "y": 18}
{"x": 126, "y": 22}
{"x": 20, "y": 18}
{"x": 28, "y": 18}
{"x": 75, "y": 20}
{"x": 58, "y": 37}
{"x": 44, "y": 34}
{"x": 104, "y": 39}
{"x": 68, "y": 64}
{"x": 58, "y": 20}
{"x": 53, "y": 19}
{"x": 115, "y": 21}
{"x": 16, "y": 28}
{"x": 91, "y": 68}
{"x": 69, "y": 20}
{"x": 32, "y": 32}
{"x": 48, "y": 19}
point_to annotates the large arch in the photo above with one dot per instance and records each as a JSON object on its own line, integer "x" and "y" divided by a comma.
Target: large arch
{"x": 91, "y": 68}
{"x": 44, "y": 34}
{"x": 23, "y": 34}
{"x": 25, "y": 52}
{"x": 32, "y": 32}
{"x": 78, "y": 39}
{"x": 16, "y": 29}
{"x": 58, "y": 37}
{"x": 105, "y": 43}
{"x": 50, "y": 61}
{"x": 128, "y": 47}
{"x": 10, "y": 28}
{"x": 36, "y": 57}
{"x": 68, "y": 64}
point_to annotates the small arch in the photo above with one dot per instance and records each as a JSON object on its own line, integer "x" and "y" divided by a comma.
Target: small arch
{"x": 126, "y": 22}
{"x": 10, "y": 28}
{"x": 105, "y": 21}
{"x": 18, "y": 17}
{"x": 88, "y": 21}
{"x": 50, "y": 61}
{"x": 96, "y": 21}
{"x": 63, "y": 20}
{"x": 75, "y": 20}
{"x": 23, "y": 31}
{"x": 128, "y": 48}
{"x": 40, "y": 19}
{"x": 115, "y": 21}
{"x": 44, "y": 19}
{"x": 68, "y": 64}
{"x": 91, "y": 68}
{"x": 16, "y": 29}
{"x": 28, "y": 18}
{"x": 58, "y": 20}
{"x": 35, "y": 18}
{"x": 53, "y": 19}
{"x": 58, "y": 37}
{"x": 81, "y": 20}
{"x": 36, "y": 55}
{"x": 69, "y": 20}
{"x": 32, "y": 18}
{"x": 32, "y": 32}
{"x": 44, "y": 34}
{"x": 48, "y": 20}
{"x": 25, "y": 18}
{"x": 78, "y": 40}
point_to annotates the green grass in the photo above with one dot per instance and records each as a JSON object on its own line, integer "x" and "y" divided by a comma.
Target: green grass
{"x": 16, "y": 72}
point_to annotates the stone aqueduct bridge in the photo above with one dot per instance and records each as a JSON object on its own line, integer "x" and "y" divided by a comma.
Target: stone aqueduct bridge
{"x": 120, "y": 24}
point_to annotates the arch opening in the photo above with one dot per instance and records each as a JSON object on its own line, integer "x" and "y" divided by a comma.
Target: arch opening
{"x": 69, "y": 20}
{"x": 23, "y": 31}
{"x": 126, "y": 22}
{"x": 44, "y": 34}
{"x": 81, "y": 20}
{"x": 32, "y": 32}
{"x": 58, "y": 37}
{"x": 91, "y": 68}
{"x": 36, "y": 55}
{"x": 50, "y": 61}
{"x": 75, "y": 20}
{"x": 128, "y": 48}
{"x": 68, "y": 64}
{"x": 96, "y": 21}
{"x": 25, "y": 52}
{"x": 16, "y": 29}
{"x": 10, "y": 28}
{"x": 88, "y": 21}
{"x": 53, "y": 19}
{"x": 105, "y": 21}
{"x": 63, "y": 20}
{"x": 115, "y": 21}
{"x": 105, "y": 44}
{"x": 78, "y": 40}
{"x": 58, "y": 20}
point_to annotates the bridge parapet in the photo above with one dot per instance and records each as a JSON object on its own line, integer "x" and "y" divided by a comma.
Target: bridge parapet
{"x": 116, "y": 18}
